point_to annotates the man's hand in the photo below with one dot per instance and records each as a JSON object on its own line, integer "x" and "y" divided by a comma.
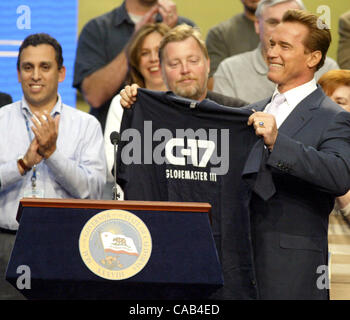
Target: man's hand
{"x": 265, "y": 126}
{"x": 46, "y": 131}
{"x": 167, "y": 9}
{"x": 149, "y": 17}
{"x": 128, "y": 95}
{"x": 32, "y": 157}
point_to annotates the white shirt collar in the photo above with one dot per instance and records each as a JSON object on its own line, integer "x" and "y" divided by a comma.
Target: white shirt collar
{"x": 56, "y": 109}
{"x": 297, "y": 94}
{"x": 293, "y": 98}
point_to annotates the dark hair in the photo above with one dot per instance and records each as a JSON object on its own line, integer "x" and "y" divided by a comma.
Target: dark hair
{"x": 41, "y": 38}
{"x": 318, "y": 38}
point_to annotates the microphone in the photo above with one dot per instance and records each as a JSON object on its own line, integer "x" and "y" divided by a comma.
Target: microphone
{"x": 115, "y": 138}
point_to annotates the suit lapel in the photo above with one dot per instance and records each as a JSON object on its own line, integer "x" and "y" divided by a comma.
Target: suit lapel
{"x": 302, "y": 113}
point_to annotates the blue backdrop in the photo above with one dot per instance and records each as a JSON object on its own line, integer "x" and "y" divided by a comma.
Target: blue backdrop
{"x": 20, "y": 18}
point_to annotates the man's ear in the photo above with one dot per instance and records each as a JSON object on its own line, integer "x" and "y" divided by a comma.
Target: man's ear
{"x": 61, "y": 74}
{"x": 314, "y": 58}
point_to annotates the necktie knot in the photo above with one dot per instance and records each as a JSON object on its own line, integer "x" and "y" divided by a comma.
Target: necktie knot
{"x": 278, "y": 99}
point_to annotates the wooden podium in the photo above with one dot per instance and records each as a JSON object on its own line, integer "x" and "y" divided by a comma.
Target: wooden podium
{"x": 181, "y": 263}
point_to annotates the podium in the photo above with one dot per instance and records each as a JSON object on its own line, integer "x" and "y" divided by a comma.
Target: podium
{"x": 89, "y": 249}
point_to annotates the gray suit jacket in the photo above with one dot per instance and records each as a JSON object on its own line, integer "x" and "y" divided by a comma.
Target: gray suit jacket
{"x": 344, "y": 41}
{"x": 310, "y": 165}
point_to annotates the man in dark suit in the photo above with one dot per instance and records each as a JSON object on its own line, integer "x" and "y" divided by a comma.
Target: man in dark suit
{"x": 308, "y": 137}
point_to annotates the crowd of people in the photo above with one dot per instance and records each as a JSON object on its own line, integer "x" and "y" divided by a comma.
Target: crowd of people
{"x": 270, "y": 59}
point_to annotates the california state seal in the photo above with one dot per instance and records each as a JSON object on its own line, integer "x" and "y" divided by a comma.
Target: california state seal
{"x": 115, "y": 244}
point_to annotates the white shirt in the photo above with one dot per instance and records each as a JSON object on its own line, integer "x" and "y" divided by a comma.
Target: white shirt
{"x": 293, "y": 98}
{"x": 113, "y": 122}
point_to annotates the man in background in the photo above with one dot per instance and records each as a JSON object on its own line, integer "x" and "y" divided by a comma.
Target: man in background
{"x": 232, "y": 36}
{"x": 344, "y": 41}
{"x": 101, "y": 64}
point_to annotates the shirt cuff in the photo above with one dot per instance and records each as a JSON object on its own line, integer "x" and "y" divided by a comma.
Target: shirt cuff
{"x": 9, "y": 174}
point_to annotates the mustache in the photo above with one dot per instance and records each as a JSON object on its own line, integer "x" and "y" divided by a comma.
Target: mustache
{"x": 186, "y": 78}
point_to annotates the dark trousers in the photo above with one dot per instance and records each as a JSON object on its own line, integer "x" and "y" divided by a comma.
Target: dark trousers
{"x": 7, "y": 291}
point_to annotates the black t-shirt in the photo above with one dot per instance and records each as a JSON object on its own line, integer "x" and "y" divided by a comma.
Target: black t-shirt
{"x": 175, "y": 149}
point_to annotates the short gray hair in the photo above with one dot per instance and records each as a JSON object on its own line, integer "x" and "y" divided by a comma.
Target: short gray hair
{"x": 271, "y": 3}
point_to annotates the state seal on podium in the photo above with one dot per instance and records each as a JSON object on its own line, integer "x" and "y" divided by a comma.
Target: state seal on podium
{"x": 115, "y": 244}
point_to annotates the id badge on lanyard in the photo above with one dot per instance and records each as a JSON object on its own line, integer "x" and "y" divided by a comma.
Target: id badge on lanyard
{"x": 34, "y": 191}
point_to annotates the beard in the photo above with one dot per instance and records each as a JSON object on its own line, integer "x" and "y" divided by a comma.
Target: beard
{"x": 250, "y": 8}
{"x": 193, "y": 91}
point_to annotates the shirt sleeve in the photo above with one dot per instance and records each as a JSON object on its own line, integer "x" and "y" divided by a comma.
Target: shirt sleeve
{"x": 327, "y": 167}
{"x": 9, "y": 174}
{"x": 83, "y": 177}
{"x": 90, "y": 54}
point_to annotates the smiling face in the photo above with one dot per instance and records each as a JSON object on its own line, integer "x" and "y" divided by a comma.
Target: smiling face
{"x": 149, "y": 62}
{"x": 341, "y": 95}
{"x": 185, "y": 69}
{"x": 290, "y": 63}
{"x": 39, "y": 76}
{"x": 269, "y": 20}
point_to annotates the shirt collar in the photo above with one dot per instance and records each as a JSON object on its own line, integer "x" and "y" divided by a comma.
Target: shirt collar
{"x": 121, "y": 15}
{"x": 295, "y": 95}
{"x": 56, "y": 109}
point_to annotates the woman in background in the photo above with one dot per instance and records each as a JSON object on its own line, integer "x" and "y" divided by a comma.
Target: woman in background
{"x": 336, "y": 85}
{"x": 144, "y": 70}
